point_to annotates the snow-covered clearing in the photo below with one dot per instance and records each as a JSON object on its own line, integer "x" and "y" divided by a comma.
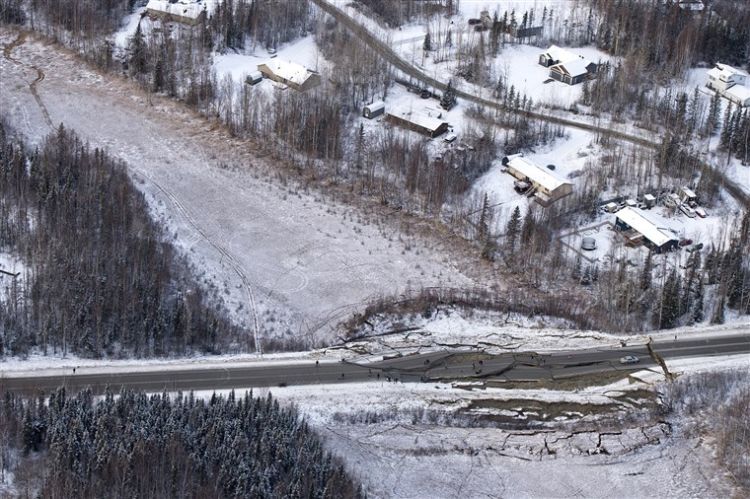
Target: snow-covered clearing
{"x": 570, "y": 156}
{"x": 303, "y": 51}
{"x": 287, "y": 260}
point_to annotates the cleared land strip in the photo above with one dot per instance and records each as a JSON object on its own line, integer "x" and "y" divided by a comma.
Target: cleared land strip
{"x": 390, "y": 55}
{"x": 304, "y": 260}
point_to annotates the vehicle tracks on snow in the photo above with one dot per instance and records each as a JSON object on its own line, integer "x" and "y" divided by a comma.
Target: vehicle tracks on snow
{"x": 7, "y": 51}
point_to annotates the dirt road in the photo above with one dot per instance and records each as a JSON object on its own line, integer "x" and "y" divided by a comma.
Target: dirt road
{"x": 288, "y": 264}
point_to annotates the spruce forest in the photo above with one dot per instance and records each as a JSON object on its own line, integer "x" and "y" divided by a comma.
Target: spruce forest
{"x": 101, "y": 277}
{"x": 135, "y": 445}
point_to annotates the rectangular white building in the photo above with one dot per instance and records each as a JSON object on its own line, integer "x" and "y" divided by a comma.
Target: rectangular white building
{"x": 549, "y": 187}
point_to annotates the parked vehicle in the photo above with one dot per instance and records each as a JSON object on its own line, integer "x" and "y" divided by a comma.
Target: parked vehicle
{"x": 701, "y": 212}
{"x": 688, "y": 211}
{"x": 588, "y": 244}
{"x": 629, "y": 359}
{"x": 685, "y": 242}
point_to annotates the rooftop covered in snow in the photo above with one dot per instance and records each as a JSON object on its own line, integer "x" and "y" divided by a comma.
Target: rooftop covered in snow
{"x": 536, "y": 173}
{"x": 648, "y": 225}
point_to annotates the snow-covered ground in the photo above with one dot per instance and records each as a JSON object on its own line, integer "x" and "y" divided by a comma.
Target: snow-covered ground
{"x": 281, "y": 257}
{"x": 303, "y": 51}
{"x": 397, "y": 439}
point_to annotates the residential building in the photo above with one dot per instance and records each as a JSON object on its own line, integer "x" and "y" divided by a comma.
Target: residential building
{"x": 189, "y": 12}
{"x": 289, "y": 73}
{"x": 546, "y": 186}
{"x": 731, "y": 83}
{"x": 418, "y": 122}
{"x": 638, "y": 227}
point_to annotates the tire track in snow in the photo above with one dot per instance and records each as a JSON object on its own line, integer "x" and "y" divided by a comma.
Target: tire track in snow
{"x": 225, "y": 254}
{"x": 7, "y": 50}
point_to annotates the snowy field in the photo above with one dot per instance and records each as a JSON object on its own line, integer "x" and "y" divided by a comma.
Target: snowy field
{"x": 287, "y": 262}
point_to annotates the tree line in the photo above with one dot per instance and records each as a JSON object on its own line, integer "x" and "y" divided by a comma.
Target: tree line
{"x": 135, "y": 445}
{"x": 101, "y": 277}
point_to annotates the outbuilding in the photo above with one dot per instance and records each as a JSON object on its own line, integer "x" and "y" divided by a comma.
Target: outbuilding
{"x": 289, "y": 73}
{"x": 254, "y": 77}
{"x": 190, "y": 12}
{"x": 547, "y": 186}
{"x": 418, "y": 122}
{"x": 637, "y": 227}
{"x": 374, "y": 110}
{"x": 555, "y": 55}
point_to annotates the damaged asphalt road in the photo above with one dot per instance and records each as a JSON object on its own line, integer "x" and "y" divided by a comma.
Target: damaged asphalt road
{"x": 428, "y": 367}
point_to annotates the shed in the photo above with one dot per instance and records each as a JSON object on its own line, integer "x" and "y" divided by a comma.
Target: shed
{"x": 548, "y": 186}
{"x": 254, "y": 77}
{"x": 649, "y": 200}
{"x": 426, "y": 125}
{"x": 654, "y": 232}
{"x": 374, "y": 110}
{"x": 289, "y": 73}
{"x": 687, "y": 195}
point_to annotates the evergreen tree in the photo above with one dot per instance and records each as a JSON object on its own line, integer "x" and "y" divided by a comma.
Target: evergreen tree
{"x": 138, "y": 56}
{"x": 698, "y": 303}
{"x": 427, "y": 45}
{"x": 448, "y": 100}
{"x": 668, "y": 312}
{"x": 512, "y": 230}
{"x": 646, "y": 272}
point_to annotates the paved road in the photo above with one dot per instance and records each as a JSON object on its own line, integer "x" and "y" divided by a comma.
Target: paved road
{"x": 430, "y": 367}
{"x": 398, "y": 62}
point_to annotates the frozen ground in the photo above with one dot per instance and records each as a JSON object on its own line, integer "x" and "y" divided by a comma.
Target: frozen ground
{"x": 286, "y": 262}
{"x": 398, "y": 440}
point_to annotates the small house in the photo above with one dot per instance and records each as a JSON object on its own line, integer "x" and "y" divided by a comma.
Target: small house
{"x": 254, "y": 77}
{"x": 574, "y": 71}
{"x": 190, "y": 12}
{"x": 547, "y": 187}
{"x": 374, "y": 110}
{"x": 417, "y": 122}
{"x": 731, "y": 83}
{"x": 638, "y": 227}
{"x": 289, "y": 73}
